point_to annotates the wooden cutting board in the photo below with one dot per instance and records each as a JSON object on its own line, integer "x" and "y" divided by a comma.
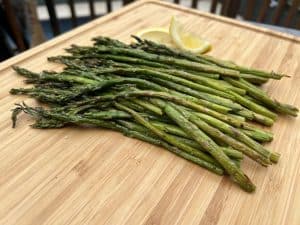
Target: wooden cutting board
{"x": 91, "y": 176}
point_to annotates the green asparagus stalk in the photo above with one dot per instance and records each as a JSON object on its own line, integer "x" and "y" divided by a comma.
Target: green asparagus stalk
{"x": 194, "y": 152}
{"x": 132, "y": 105}
{"x": 178, "y": 152}
{"x": 39, "y": 113}
{"x": 254, "y": 79}
{"x": 231, "y": 65}
{"x": 230, "y": 152}
{"x": 108, "y": 115}
{"x": 252, "y": 116}
{"x": 258, "y": 136}
{"x": 153, "y": 47}
{"x": 185, "y": 102}
{"x": 147, "y": 105}
{"x": 153, "y": 57}
{"x": 230, "y": 120}
{"x": 261, "y": 96}
{"x": 108, "y": 42}
{"x": 207, "y": 143}
{"x": 244, "y": 144}
{"x": 258, "y": 133}
{"x": 253, "y": 106}
{"x": 227, "y": 103}
{"x": 218, "y": 135}
{"x": 236, "y": 133}
{"x": 170, "y": 128}
{"x": 147, "y": 73}
{"x": 121, "y": 61}
{"x": 202, "y": 80}
{"x": 175, "y": 150}
{"x": 129, "y": 60}
{"x": 132, "y": 126}
{"x": 241, "y": 118}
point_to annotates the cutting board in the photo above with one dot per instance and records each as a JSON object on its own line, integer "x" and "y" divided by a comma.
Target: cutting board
{"x": 93, "y": 176}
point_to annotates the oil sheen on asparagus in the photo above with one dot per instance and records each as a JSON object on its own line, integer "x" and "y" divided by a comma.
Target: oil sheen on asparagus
{"x": 198, "y": 107}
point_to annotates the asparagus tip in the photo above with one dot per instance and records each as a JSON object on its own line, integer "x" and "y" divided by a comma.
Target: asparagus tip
{"x": 14, "y": 91}
{"x": 15, "y": 112}
{"x": 279, "y": 75}
{"x": 136, "y": 38}
{"x": 20, "y": 107}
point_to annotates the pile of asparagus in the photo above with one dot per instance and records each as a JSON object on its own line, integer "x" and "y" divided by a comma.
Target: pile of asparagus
{"x": 196, "y": 106}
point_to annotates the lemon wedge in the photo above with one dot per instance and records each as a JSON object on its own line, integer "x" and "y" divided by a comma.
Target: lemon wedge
{"x": 157, "y": 34}
{"x": 186, "y": 40}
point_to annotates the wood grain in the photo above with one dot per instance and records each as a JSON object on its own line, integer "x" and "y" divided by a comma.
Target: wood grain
{"x": 93, "y": 176}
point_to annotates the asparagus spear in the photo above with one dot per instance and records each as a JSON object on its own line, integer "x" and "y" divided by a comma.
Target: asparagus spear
{"x": 184, "y": 102}
{"x": 249, "y": 115}
{"x": 261, "y": 136}
{"x": 133, "y": 126}
{"x": 175, "y": 150}
{"x": 254, "y": 79}
{"x": 147, "y": 73}
{"x": 108, "y": 42}
{"x": 156, "y": 48}
{"x": 132, "y": 105}
{"x": 258, "y": 153}
{"x": 261, "y": 96}
{"x": 238, "y": 117}
{"x": 170, "y": 128}
{"x": 202, "y": 80}
{"x": 129, "y": 59}
{"x": 253, "y": 106}
{"x": 207, "y": 143}
{"x": 218, "y": 135}
{"x": 258, "y": 136}
{"x": 153, "y": 57}
{"x": 107, "y": 115}
{"x": 39, "y": 113}
{"x": 149, "y": 106}
{"x": 198, "y": 94}
{"x": 236, "y": 133}
{"x": 230, "y": 152}
{"x": 194, "y": 152}
{"x": 205, "y": 59}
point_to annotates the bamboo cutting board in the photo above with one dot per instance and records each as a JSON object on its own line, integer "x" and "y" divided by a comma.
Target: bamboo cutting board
{"x": 92, "y": 176}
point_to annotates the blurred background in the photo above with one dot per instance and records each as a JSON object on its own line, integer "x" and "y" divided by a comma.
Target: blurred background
{"x": 27, "y": 23}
